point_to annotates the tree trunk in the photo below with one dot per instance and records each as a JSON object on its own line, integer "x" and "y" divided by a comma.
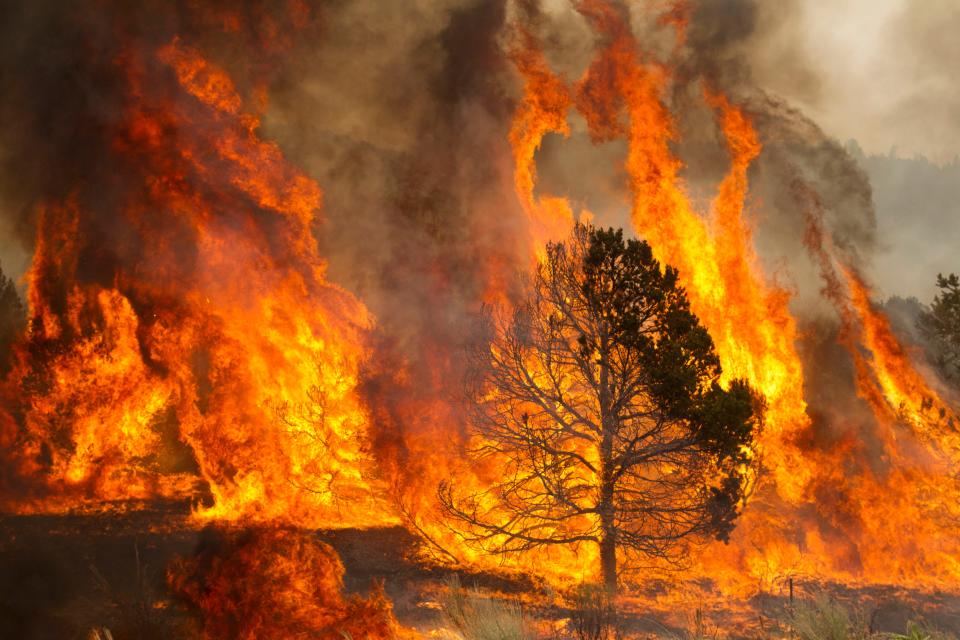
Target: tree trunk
{"x": 608, "y": 526}
{"x": 608, "y": 561}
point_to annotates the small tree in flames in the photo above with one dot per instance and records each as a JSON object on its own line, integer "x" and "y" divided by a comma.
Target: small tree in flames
{"x": 599, "y": 399}
{"x": 940, "y": 324}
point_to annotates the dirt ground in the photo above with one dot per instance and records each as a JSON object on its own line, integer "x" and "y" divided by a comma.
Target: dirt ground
{"x": 61, "y": 576}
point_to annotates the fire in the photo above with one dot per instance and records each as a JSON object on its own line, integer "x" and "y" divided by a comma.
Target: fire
{"x": 222, "y": 347}
{"x": 754, "y": 332}
{"x": 192, "y": 347}
{"x": 857, "y": 526}
{"x": 99, "y": 386}
{"x": 264, "y": 584}
{"x": 542, "y": 110}
{"x": 906, "y": 391}
{"x": 917, "y": 492}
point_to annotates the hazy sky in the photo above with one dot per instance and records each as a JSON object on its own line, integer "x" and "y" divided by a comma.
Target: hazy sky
{"x": 884, "y": 72}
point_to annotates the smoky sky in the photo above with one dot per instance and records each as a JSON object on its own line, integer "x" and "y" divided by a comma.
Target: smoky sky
{"x": 401, "y": 111}
{"x": 883, "y": 73}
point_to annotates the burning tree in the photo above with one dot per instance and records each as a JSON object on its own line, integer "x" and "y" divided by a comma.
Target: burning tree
{"x": 599, "y": 400}
{"x": 941, "y": 325}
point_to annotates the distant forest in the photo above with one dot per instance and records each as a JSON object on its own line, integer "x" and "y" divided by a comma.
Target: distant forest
{"x": 918, "y": 221}
{"x": 918, "y": 229}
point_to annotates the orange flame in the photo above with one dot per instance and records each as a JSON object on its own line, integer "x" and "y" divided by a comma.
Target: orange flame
{"x": 542, "y": 110}
{"x": 255, "y": 373}
{"x": 267, "y": 584}
{"x": 219, "y": 354}
{"x": 855, "y": 527}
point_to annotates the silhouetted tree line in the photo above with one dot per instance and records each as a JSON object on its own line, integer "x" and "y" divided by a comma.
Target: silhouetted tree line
{"x": 12, "y": 319}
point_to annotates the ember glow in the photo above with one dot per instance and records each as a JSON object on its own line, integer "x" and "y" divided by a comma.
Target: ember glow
{"x": 186, "y": 342}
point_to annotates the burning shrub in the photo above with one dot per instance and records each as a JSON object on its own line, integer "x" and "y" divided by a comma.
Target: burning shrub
{"x": 260, "y": 584}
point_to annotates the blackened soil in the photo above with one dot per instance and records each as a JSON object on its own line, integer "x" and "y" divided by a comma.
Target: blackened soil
{"x": 63, "y": 575}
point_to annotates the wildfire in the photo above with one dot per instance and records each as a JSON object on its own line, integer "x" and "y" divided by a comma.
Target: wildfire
{"x": 221, "y": 347}
{"x": 915, "y": 491}
{"x": 622, "y": 95}
{"x": 907, "y": 392}
{"x": 267, "y": 584}
{"x": 542, "y": 110}
{"x": 193, "y": 348}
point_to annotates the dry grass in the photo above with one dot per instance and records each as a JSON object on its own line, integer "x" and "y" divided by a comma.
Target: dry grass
{"x": 476, "y": 617}
{"x": 921, "y": 631}
{"x": 823, "y": 618}
{"x": 593, "y": 615}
